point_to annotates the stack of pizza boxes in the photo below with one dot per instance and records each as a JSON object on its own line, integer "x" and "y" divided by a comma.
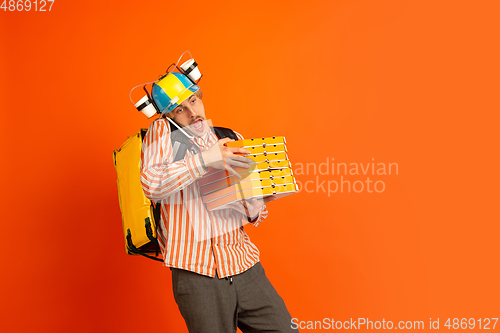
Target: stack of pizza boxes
{"x": 270, "y": 174}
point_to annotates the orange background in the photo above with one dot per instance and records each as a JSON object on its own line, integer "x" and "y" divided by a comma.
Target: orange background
{"x": 407, "y": 82}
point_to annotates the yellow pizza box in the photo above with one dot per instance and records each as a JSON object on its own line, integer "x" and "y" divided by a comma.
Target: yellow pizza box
{"x": 258, "y": 158}
{"x": 247, "y": 185}
{"x": 270, "y": 173}
{"x": 257, "y": 142}
{"x": 267, "y": 149}
{"x": 278, "y": 191}
{"x": 208, "y": 187}
{"x": 220, "y": 174}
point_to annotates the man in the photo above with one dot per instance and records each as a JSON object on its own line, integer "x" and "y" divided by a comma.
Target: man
{"x": 218, "y": 281}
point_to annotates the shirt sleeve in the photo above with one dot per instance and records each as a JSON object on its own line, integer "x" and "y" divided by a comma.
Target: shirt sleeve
{"x": 262, "y": 211}
{"x": 262, "y": 216}
{"x": 160, "y": 176}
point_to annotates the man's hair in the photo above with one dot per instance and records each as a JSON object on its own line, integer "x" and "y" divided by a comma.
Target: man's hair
{"x": 198, "y": 93}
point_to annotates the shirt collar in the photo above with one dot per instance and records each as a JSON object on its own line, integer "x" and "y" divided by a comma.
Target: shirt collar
{"x": 204, "y": 139}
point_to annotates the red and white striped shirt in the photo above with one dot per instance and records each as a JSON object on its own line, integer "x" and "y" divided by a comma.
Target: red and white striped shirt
{"x": 190, "y": 237}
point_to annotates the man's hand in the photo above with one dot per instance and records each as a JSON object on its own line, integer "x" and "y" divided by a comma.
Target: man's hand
{"x": 251, "y": 207}
{"x": 221, "y": 157}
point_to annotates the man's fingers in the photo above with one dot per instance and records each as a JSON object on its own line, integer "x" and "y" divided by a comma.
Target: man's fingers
{"x": 234, "y": 163}
{"x": 225, "y": 140}
{"x": 241, "y": 159}
{"x": 269, "y": 199}
{"x": 238, "y": 150}
{"x": 231, "y": 171}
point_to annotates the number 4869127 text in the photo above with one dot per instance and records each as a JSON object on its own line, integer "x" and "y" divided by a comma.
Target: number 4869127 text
{"x": 27, "y": 5}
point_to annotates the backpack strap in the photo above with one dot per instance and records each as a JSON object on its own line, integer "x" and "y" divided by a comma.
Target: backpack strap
{"x": 181, "y": 144}
{"x": 132, "y": 248}
{"x": 223, "y": 132}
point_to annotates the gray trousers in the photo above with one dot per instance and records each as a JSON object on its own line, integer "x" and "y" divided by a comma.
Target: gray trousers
{"x": 247, "y": 301}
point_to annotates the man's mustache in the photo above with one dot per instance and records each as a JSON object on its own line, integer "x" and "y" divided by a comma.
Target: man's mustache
{"x": 195, "y": 119}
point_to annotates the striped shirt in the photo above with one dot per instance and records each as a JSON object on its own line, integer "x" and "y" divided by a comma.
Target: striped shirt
{"x": 190, "y": 237}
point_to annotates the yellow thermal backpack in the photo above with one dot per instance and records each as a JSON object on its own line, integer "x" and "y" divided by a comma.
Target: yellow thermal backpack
{"x": 138, "y": 213}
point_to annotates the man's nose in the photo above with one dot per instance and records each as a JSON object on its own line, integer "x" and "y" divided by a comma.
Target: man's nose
{"x": 191, "y": 111}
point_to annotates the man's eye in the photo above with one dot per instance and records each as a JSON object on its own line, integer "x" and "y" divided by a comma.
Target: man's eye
{"x": 179, "y": 110}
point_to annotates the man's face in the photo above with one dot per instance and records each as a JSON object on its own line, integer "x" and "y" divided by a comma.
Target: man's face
{"x": 191, "y": 114}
